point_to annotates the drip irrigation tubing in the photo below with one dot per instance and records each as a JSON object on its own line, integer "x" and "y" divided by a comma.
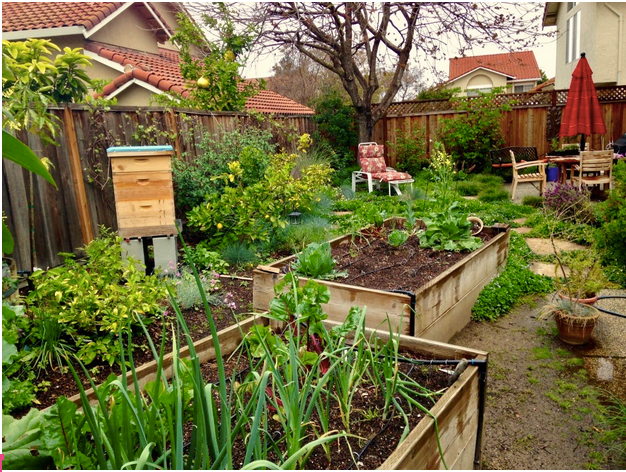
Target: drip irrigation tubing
{"x": 608, "y": 312}
{"x": 358, "y": 455}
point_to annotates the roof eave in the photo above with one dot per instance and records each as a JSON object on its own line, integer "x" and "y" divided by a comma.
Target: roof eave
{"x": 107, "y": 20}
{"x": 137, "y": 82}
{"x": 43, "y": 33}
{"x": 483, "y": 68}
{"x": 550, "y": 14}
{"x": 531, "y": 79}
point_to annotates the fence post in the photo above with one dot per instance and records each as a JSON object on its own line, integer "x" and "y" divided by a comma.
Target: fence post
{"x": 174, "y": 129}
{"x": 77, "y": 176}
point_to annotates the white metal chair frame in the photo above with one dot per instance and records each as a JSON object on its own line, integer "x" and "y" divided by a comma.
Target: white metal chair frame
{"x": 539, "y": 176}
{"x": 360, "y": 176}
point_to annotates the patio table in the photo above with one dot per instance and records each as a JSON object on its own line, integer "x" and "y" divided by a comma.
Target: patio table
{"x": 564, "y": 163}
{"x": 567, "y": 162}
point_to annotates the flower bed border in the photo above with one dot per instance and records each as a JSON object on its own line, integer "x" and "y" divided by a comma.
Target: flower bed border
{"x": 442, "y": 306}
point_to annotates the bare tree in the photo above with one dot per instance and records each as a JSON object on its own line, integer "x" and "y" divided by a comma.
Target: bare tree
{"x": 335, "y": 35}
{"x": 301, "y": 79}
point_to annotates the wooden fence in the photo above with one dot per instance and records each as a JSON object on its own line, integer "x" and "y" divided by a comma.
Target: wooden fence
{"x": 533, "y": 121}
{"x": 67, "y": 218}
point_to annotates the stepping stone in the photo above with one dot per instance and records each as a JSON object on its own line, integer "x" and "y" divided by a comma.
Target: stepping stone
{"x": 522, "y": 230}
{"x": 543, "y": 268}
{"x": 470, "y": 197}
{"x": 543, "y": 246}
{"x": 520, "y": 221}
{"x": 605, "y": 369}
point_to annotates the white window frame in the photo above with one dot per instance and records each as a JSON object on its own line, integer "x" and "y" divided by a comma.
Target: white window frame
{"x": 473, "y": 91}
{"x": 525, "y": 88}
{"x": 572, "y": 38}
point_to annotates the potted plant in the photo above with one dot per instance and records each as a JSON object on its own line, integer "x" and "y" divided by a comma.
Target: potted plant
{"x": 574, "y": 321}
{"x": 579, "y": 275}
{"x": 566, "y": 150}
{"x": 582, "y": 277}
{"x": 580, "y": 280}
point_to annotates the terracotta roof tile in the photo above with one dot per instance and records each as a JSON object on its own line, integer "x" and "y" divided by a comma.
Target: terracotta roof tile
{"x": 20, "y": 16}
{"x": 519, "y": 65}
{"x": 162, "y": 71}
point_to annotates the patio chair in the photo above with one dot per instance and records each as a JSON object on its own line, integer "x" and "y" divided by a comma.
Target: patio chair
{"x": 539, "y": 176}
{"x": 595, "y": 168}
{"x": 374, "y": 170}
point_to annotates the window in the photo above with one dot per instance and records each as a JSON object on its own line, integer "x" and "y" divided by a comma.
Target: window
{"x": 522, "y": 88}
{"x": 572, "y": 38}
{"x": 475, "y": 92}
{"x": 571, "y": 5}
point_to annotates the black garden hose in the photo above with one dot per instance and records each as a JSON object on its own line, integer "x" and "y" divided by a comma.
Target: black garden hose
{"x": 607, "y": 311}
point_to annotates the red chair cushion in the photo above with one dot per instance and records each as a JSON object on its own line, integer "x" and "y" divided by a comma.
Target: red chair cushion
{"x": 375, "y": 164}
{"x": 371, "y": 151}
{"x": 391, "y": 176}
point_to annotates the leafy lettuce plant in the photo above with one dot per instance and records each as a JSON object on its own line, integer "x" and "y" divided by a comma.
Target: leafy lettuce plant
{"x": 317, "y": 261}
{"x": 397, "y": 238}
{"x": 449, "y": 230}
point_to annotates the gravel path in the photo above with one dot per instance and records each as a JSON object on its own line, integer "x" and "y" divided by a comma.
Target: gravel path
{"x": 542, "y": 394}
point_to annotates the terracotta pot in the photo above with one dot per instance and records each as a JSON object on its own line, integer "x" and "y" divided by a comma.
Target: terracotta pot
{"x": 575, "y": 330}
{"x": 584, "y": 301}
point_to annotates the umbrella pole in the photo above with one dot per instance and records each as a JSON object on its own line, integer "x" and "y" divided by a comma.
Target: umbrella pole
{"x": 582, "y": 142}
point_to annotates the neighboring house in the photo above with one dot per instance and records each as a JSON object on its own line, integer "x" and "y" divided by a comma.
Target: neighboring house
{"x": 516, "y": 72}
{"x": 595, "y": 28}
{"x": 128, "y": 44}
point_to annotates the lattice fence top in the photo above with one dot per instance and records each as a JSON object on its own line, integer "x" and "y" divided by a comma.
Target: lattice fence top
{"x": 549, "y": 98}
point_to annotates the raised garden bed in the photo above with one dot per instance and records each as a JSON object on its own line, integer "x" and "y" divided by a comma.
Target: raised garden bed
{"x": 457, "y": 414}
{"x": 435, "y": 308}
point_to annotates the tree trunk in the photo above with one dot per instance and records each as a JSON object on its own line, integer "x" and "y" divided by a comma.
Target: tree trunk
{"x": 366, "y": 127}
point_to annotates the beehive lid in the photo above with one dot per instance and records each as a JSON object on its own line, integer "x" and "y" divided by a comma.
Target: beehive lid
{"x": 139, "y": 149}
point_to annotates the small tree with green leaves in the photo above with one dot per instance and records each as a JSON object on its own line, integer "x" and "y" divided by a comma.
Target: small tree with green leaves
{"x": 410, "y": 148}
{"x": 475, "y": 131}
{"x": 36, "y": 81}
{"x": 211, "y": 68}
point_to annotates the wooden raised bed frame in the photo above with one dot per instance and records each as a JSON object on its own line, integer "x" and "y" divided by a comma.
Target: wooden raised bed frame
{"x": 459, "y": 411}
{"x": 443, "y": 306}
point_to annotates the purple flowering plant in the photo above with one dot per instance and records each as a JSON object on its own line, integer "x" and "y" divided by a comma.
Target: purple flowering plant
{"x": 568, "y": 201}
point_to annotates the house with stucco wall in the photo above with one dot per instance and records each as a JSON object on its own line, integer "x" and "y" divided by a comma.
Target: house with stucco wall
{"x": 516, "y": 72}
{"x": 128, "y": 44}
{"x": 595, "y": 28}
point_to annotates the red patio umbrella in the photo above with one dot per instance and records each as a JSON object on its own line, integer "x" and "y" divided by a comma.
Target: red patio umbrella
{"x": 582, "y": 114}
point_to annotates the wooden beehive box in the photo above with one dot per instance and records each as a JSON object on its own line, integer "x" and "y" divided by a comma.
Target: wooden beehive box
{"x": 144, "y": 193}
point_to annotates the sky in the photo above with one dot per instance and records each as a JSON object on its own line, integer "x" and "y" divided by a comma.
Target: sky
{"x": 545, "y": 53}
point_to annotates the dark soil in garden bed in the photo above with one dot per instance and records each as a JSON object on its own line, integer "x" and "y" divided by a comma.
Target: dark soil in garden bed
{"x": 372, "y": 262}
{"x": 372, "y": 438}
{"x": 196, "y": 319}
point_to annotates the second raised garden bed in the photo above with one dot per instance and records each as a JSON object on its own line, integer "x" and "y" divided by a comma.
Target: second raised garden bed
{"x": 436, "y": 310}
